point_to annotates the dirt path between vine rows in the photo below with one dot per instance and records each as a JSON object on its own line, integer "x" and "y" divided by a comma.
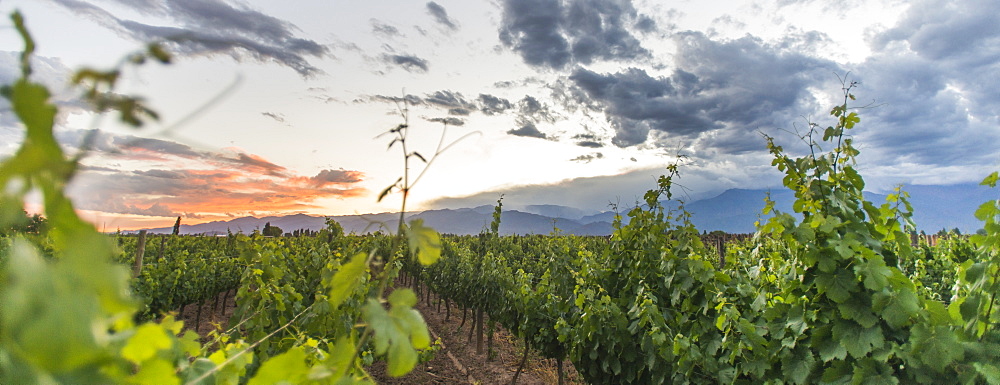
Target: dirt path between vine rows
{"x": 458, "y": 363}
{"x": 455, "y": 363}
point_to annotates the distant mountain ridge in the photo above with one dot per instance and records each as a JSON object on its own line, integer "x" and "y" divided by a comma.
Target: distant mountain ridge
{"x": 733, "y": 211}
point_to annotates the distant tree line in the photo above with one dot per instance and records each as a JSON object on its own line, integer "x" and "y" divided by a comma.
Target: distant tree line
{"x": 25, "y": 224}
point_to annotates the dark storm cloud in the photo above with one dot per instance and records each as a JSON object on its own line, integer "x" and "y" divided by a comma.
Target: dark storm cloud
{"x": 741, "y": 84}
{"x": 557, "y": 33}
{"x": 208, "y": 27}
{"x": 529, "y": 130}
{"x": 936, "y": 75}
{"x": 441, "y": 15}
{"x": 407, "y": 62}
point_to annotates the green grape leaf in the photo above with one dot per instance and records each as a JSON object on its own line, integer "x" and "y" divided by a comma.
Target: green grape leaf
{"x": 858, "y": 310}
{"x": 399, "y": 331}
{"x": 936, "y": 346}
{"x": 875, "y": 273}
{"x": 858, "y": 340}
{"x": 991, "y": 180}
{"x": 346, "y": 279}
{"x": 868, "y": 371}
{"x": 286, "y": 368}
{"x": 342, "y": 354}
{"x": 987, "y": 211}
{"x": 838, "y": 286}
{"x": 989, "y": 371}
{"x": 30, "y": 102}
{"x": 155, "y": 372}
{"x": 198, "y": 368}
{"x": 896, "y": 306}
{"x": 147, "y": 340}
{"x": 797, "y": 367}
{"x": 424, "y": 241}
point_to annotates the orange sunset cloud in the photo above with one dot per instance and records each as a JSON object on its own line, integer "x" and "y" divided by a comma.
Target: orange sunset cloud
{"x": 182, "y": 181}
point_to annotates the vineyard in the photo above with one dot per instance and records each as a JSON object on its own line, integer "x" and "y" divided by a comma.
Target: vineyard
{"x": 835, "y": 292}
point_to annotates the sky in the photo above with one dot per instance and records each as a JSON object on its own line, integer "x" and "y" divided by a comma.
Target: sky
{"x": 273, "y": 107}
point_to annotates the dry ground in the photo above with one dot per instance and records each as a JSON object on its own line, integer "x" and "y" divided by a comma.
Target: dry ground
{"x": 455, "y": 363}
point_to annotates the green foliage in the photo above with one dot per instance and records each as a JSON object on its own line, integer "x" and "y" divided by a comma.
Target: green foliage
{"x": 399, "y": 331}
{"x": 424, "y": 242}
{"x": 832, "y": 293}
{"x": 300, "y": 303}
{"x": 78, "y": 296}
{"x": 271, "y": 231}
{"x": 22, "y": 223}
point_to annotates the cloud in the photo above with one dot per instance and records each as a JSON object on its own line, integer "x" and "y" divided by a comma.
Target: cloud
{"x": 588, "y": 140}
{"x": 211, "y": 27}
{"x": 454, "y": 102}
{"x": 48, "y": 71}
{"x": 587, "y": 158}
{"x": 742, "y": 84}
{"x": 167, "y": 179}
{"x": 383, "y": 29}
{"x": 340, "y": 176}
{"x": 531, "y": 112}
{"x": 558, "y": 33}
{"x": 441, "y": 15}
{"x": 493, "y": 105}
{"x": 277, "y": 117}
{"x": 410, "y": 99}
{"x": 118, "y": 205}
{"x": 529, "y": 130}
{"x": 409, "y": 63}
{"x": 453, "y": 121}
{"x": 937, "y": 30}
{"x": 935, "y": 78}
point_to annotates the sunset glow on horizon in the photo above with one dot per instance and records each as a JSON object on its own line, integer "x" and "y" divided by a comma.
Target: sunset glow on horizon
{"x": 271, "y": 109}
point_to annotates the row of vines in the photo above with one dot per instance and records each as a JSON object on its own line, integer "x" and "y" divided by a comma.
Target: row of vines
{"x": 312, "y": 311}
{"x": 832, "y": 293}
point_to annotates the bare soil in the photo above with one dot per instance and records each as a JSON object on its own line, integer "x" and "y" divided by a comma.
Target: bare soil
{"x": 459, "y": 363}
{"x": 456, "y": 362}
{"x": 214, "y": 314}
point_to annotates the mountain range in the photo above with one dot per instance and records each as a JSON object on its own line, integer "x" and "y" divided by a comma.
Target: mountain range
{"x": 733, "y": 211}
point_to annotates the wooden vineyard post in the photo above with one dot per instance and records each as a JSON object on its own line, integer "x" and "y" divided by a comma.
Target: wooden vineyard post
{"x": 720, "y": 245}
{"x": 479, "y": 326}
{"x": 163, "y": 244}
{"x": 139, "y": 250}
